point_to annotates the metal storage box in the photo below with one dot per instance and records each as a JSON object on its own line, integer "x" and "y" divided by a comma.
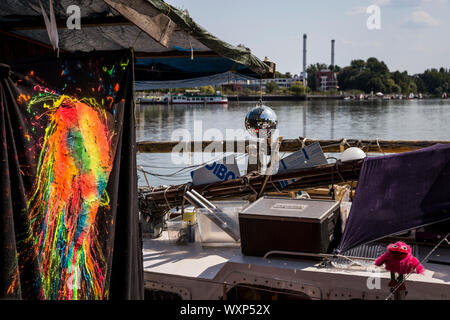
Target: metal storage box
{"x": 296, "y": 225}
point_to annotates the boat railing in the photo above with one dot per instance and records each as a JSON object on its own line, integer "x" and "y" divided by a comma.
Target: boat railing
{"x": 292, "y": 145}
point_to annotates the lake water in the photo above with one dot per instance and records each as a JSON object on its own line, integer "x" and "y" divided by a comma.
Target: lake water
{"x": 336, "y": 119}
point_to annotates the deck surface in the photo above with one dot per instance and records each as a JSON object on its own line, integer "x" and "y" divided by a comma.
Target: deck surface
{"x": 162, "y": 256}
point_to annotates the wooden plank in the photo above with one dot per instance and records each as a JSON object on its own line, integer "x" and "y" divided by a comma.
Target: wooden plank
{"x": 292, "y": 145}
{"x": 159, "y": 27}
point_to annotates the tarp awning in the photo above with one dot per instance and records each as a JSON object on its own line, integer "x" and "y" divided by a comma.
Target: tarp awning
{"x": 397, "y": 193}
{"x": 158, "y": 33}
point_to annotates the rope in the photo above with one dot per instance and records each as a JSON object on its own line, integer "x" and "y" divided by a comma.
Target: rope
{"x": 183, "y": 199}
{"x": 169, "y": 8}
{"x": 192, "y": 50}
{"x": 304, "y": 142}
{"x": 378, "y": 144}
{"x": 134, "y": 42}
{"x": 342, "y": 144}
{"x": 274, "y": 185}
{"x": 421, "y": 262}
{"x": 248, "y": 185}
{"x": 183, "y": 168}
{"x": 167, "y": 202}
{"x": 165, "y": 30}
{"x": 351, "y": 260}
{"x": 359, "y": 144}
{"x": 145, "y": 175}
{"x": 337, "y": 170}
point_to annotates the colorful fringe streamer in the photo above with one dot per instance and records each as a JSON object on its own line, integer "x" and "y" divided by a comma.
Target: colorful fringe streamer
{"x": 73, "y": 170}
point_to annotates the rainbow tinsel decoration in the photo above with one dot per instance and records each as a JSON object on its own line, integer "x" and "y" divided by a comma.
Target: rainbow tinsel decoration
{"x": 72, "y": 174}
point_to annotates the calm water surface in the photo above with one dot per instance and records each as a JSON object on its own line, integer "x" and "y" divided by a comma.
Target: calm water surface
{"x": 388, "y": 120}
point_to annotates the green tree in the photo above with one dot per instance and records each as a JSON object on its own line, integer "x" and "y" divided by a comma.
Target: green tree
{"x": 207, "y": 89}
{"x": 370, "y": 75}
{"x": 246, "y": 91}
{"x": 272, "y": 87}
{"x": 436, "y": 82}
{"x": 311, "y": 72}
{"x": 278, "y": 74}
{"x": 374, "y": 75}
{"x": 377, "y": 67}
{"x": 297, "y": 88}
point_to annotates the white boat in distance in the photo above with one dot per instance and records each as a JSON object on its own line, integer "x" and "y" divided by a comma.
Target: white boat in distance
{"x": 153, "y": 99}
{"x": 197, "y": 98}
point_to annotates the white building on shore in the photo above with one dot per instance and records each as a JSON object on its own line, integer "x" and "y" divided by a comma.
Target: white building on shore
{"x": 254, "y": 84}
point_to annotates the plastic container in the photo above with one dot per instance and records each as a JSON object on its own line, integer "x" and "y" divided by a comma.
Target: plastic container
{"x": 213, "y": 235}
{"x": 182, "y": 232}
{"x": 174, "y": 227}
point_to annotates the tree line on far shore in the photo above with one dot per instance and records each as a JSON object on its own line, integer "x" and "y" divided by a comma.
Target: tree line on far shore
{"x": 360, "y": 76}
{"x": 374, "y": 76}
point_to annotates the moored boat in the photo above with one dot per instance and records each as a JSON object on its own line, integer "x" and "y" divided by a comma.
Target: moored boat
{"x": 205, "y": 269}
{"x": 197, "y": 98}
{"x": 153, "y": 99}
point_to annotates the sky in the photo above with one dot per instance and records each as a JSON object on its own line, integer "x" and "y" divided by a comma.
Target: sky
{"x": 411, "y": 35}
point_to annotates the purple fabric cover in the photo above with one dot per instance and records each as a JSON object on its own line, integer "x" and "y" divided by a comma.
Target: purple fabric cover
{"x": 399, "y": 192}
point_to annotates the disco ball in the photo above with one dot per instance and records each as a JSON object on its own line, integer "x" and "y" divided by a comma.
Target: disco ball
{"x": 259, "y": 119}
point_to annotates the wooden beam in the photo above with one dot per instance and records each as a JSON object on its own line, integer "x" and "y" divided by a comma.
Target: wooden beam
{"x": 29, "y": 40}
{"x": 292, "y": 145}
{"x": 159, "y": 27}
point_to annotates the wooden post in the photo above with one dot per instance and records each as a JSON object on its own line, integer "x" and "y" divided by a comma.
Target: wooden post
{"x": 224, "y": 291}
{"x": 253, "y": 157}
{"x": 272, "y": 160}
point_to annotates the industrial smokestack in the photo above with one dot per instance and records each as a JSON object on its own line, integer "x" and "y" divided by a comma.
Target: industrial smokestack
{"x": 304, "y": 59}
{"x": 332, "y": 53}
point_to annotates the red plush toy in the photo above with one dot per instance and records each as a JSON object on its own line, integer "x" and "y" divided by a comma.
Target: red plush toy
{"x": 398, "y": 259}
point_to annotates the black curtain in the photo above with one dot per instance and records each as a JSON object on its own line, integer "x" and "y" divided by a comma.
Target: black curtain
{"x": 68, "y": 218}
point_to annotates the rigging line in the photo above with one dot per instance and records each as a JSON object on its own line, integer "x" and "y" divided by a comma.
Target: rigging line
{"x": 260, "y": 91}
{"x": 177, "y": 167}
{"x": 173, "y": 173}
{"x": 178, "y": 180}
{"x": 304, "y": 142}
{"x": 173, "y": 180}
{"x": 188, "y": 167}
{"x": 273, "y": 184}
{"x": 183, "y": 201}
{"x": 169, "y": 8}
{"x": 192, "y": 50}
{"x": 167, "y": 202}
{"x": 145, "y": 175}
{"x": 378, "y": 144}
{"x": 421, "y": 262}
{"x": 157, "y": 174}
{"x": 134, "y": 42}
{"x": 168, "y": 177}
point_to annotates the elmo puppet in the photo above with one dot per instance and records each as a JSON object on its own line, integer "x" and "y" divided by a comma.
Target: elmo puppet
{"x": 398, "y": 259}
